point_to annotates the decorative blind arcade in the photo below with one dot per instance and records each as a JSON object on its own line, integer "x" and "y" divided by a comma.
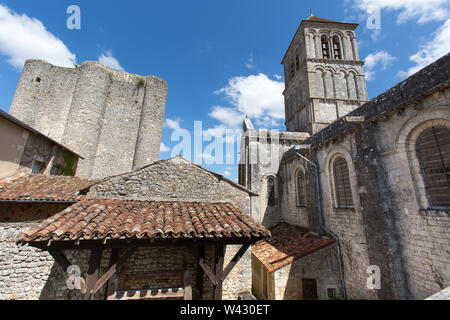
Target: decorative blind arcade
{"x": 433, "y": 151}
{"x": 342, "y": 184}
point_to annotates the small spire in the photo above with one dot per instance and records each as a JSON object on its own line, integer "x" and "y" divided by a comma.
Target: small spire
{"x": 310, "y": 12}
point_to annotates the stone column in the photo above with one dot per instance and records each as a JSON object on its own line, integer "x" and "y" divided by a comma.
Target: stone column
{"x": 318, "y": 46}
{"x": 355, "y": 48}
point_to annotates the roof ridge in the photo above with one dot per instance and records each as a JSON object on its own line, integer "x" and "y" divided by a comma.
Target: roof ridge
{"x": 217, "y": 175}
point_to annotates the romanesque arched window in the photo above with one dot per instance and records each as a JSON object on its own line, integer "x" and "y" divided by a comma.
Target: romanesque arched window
{"x": 271, "y": 191}
{"x": 343, "y": 190}
{"x": 325, "y": 48}
{"x": 337, "y": 52}
{"x": 301, "y": 188}
{"x": 433, "y": 151}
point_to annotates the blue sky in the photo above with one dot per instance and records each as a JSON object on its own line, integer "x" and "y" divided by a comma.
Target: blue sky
{"x": 221, "y": 59}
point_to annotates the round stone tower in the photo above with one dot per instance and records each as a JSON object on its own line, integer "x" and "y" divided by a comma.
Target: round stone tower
{"x": 112, "y": 119}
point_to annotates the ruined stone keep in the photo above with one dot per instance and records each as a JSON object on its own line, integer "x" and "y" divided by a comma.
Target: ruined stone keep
{"x": 112, "y": 119}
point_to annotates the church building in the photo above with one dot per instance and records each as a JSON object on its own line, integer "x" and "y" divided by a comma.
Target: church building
{"x": 356, "y": 193}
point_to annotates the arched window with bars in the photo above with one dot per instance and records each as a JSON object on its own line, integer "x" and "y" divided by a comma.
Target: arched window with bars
{"x": 301, "y": 188}
{"x": 343, "y": 190}
{"x": 325, "y": 48}
{"x": 271, "y": 191}
{"x": 337, "y": 52}
{"x": 433, "y": 152}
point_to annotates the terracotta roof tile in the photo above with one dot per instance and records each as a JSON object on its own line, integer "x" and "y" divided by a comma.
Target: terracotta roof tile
{"x": 94, "y": 219}
{"x": 287, "y": 244}
{"x": 43, "y": 188}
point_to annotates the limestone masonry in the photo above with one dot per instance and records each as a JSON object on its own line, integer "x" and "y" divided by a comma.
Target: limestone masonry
{"x": 112, "y": 119}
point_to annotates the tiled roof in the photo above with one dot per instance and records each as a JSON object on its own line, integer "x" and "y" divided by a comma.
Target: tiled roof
{"x": 118, "y": 219}
{"x": 31, "y": 188}
{"x": 287, "y": 244}
{"x": 319, "y": 19}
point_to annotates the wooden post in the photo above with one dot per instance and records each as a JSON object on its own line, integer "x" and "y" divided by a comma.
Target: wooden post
{"x": 203, "y": 265}
{"x": 94, "y": 266}
{"x": 200, "y": 272}
{"x": 218, "y": 261}
{"x": 61, "y": 259}
{"x": 187, "y": 285}
{"x": 109, "y": 284}
{"x": 113, "y": 269}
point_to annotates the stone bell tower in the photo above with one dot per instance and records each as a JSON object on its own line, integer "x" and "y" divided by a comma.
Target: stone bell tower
{"x": 324, "y": 76}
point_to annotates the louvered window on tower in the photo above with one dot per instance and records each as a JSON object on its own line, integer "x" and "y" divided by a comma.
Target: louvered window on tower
{"x": 343, "y": 188}
{"x": 433, "y": 152}
{"x": 337, "y": 48}
{"x": 325, "y": 48}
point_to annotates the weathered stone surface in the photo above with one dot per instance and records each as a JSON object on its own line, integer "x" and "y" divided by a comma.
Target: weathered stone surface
{"x": 113, "y": 119}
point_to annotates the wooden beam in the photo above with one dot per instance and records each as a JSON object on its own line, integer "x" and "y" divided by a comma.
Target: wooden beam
{"x": 149, "y": 294}
{"x": 109, "y": 285}
{"x": 200, "y": 273}
{"x": 61, "y": 259}
{"x": 94, "y": 266}
{"x": 187, "y": 285}
{"x": 157, "y": 275}
{"x": 218, "y": 261}
{"x": 113, "y": 269}
{"x": 235, "y": 261}
{"x": 203, "y": 265}
{"x": 90, "y": 244}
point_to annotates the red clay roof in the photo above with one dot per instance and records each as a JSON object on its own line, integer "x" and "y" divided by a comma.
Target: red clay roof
{"x": 287, "y": 244}
{"x": 118, "y": 219}
{"x": 31, "y": 188}
{"x": 319, "y": 19}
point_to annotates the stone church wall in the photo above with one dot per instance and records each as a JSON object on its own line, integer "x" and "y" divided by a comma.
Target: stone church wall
{"x": 391, "y": 224}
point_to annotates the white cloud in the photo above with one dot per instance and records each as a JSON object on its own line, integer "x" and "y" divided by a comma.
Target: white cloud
{"x": 373, "y": 60}
{"x": 108, "y": 59}
{"x": 431, "y": 51}
{"x": 22, "y": 38}
{"x": 164, "y": 148}
{"x": 173, "y": 124}
{"x": 227, "y": 173}
{"x": 256, "y": 96}
{"x": 421, "y": 11}
{"x": 228, "y": 135}
{"x": 278, "y": 77}
{"x": 228, "y": 116}
{"x": 250, "y": 64}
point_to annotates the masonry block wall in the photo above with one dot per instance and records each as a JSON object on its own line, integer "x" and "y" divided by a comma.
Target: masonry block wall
{"x": 20, "y": 148}
{"x": 321, "y": 89}
{"x": 391, "y": 223}
{"x": 112, "y": 119}
{"x": 178, "y": 180}
{"x": 321, "y": 265}
{"x": 261, "y": 154}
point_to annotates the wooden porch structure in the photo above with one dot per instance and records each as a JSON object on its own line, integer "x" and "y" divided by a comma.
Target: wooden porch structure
{"x": 124, "y": 226}
{"x": 93, "y": 282}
